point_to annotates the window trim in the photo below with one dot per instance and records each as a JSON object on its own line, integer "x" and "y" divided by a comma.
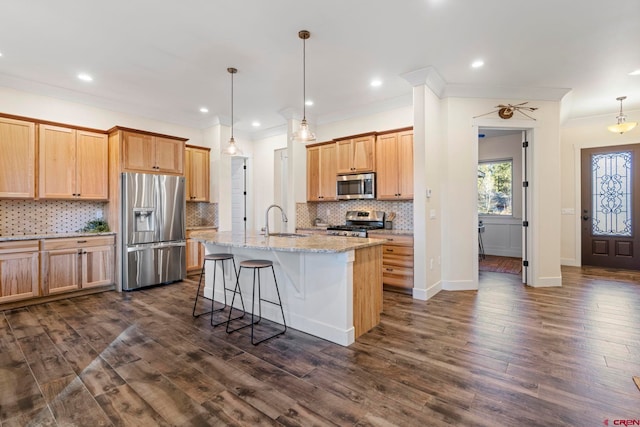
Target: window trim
{"x": 494, "y": 215}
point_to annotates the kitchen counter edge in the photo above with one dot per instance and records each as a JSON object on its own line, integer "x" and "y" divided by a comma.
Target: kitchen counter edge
{"x": 53, "y": 236}
{"x": 310, "y": 243}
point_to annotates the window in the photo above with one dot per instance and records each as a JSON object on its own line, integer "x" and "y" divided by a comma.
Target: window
{"x": 495, "y": 189}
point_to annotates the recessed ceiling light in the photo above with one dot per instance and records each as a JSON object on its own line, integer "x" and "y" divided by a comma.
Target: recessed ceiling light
{"x": 85, "y": 77}
{"x": 255, "y": 124}
{"x": 376, "y": 82}
{"x": 0, "y": 53}
{"x": 308, "y": 103}
{"x": 635, "y": 72}
{"x": 204, "y": 110}
{"x": 477, "y": 64}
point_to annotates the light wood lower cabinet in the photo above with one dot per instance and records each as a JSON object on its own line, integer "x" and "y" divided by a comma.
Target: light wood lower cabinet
{"x": 77, "y": 263}
{"x": 19, "y": 270}
{"x": 397, "y": 261}
{"x": 195, "y": 252}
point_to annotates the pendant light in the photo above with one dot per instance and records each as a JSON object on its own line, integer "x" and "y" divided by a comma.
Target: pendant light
{"x": 304, "y": 134}
{"x": 623, "y": 125}
{"x": 232, "y": 149}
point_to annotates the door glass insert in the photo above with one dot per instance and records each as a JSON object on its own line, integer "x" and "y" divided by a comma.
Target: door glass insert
{"x": 611, "y": 184}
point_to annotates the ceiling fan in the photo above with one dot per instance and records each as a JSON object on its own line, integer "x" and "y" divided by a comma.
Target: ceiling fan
{"x": 506, "y": 111}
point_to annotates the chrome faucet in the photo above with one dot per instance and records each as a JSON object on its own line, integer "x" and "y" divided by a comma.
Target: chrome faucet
{"x": 266, "y": 218}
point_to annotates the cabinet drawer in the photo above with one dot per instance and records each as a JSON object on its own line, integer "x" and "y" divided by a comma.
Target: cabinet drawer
{"x": 397, "y": 250}
{"x": 18, "y": 246}
{"x": 397, "y": 261}
{"x": 77, "y": 242}
{"x": 395, "y": 239}
{"x": 394, "y": 276}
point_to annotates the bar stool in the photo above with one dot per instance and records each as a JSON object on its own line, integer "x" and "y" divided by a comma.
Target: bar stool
{"x": 257, "y": 265}
{"x": 222, "y": 257}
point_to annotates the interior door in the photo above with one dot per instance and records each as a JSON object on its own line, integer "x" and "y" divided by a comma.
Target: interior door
{"x": 610, "y": 211}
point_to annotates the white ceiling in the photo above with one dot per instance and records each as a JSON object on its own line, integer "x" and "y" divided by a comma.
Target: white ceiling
{"x": 166, "y": 59}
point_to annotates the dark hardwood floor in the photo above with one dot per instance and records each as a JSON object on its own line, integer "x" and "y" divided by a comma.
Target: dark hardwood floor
{"x": 505, "y": 355}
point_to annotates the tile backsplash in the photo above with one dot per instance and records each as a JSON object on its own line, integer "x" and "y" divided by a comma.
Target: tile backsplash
{"x": 334, "y": 212}
{"x": 31, "y": 217}
{"x": 202, "y": 214}
{"x": 37, "y": 217}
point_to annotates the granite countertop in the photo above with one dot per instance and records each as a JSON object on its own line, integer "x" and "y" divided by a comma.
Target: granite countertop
{"x": 316, "y": 243}
{"x": 53, "y": 236}
{"x": 395, "y": 232}
{"x": 202, "y": 227}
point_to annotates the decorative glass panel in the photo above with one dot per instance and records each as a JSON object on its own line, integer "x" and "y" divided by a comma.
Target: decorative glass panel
{"x": 611, "y": 187}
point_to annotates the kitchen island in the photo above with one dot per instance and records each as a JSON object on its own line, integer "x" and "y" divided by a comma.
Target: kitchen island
{"x": 330, "y": 286}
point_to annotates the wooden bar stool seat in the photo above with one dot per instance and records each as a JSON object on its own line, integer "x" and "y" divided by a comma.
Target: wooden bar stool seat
{"x": 256, "y": 265}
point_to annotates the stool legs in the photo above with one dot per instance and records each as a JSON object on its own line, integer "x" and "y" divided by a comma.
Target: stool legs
{"x": 259, "y": 300}
{"x": 198, "y": 291}
{"x": 224, "y": 291}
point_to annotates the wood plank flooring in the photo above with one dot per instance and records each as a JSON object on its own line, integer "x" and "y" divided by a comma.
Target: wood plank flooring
{"x": 504, "y": 355}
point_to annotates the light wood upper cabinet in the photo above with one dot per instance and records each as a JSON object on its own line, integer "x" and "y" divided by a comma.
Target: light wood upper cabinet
{"x": 321, "y": 172}
{"x": 394, "y": 169}
{"x": 19, "y": 270}
{"x": 149, "y": 153}
{"x": 356, "y": 155}
{"x": 17, "y": 159}
{"x": 197, "y": 175}
{"x": 73, "y": 164}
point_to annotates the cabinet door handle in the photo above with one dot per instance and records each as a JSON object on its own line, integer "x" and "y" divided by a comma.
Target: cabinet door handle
{"x": 389, "y": 250}
{"x": 389, "y": 269}
{"x": 82, "y": 241}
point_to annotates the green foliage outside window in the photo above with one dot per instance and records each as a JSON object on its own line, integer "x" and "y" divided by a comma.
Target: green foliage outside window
{"x": 495, "y": 189}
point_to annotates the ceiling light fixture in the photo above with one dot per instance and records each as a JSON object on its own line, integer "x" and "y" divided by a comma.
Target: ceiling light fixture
{"x": 85, "y": 77}
{"x": 231, "y": 148}
{"x": 623, "y": 125}
{"x": 376, "y": 83}
{"x": 204, "y": 110}
{"x": 308, "y": 103}
{"x": 477, "y": 64}
{"x": 635, "y": 72}
{"x": 255, "y": 124}
{"x": 304, "y": 134}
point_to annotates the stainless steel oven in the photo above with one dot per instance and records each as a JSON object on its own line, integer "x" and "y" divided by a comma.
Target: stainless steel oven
{"x": 356, "y": 186}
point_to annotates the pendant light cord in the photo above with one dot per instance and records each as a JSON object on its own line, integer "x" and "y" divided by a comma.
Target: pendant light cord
{"x": 304, "y": 79}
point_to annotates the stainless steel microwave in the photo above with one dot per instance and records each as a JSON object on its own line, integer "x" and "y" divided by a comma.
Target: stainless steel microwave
{"x": 356, "y": 186}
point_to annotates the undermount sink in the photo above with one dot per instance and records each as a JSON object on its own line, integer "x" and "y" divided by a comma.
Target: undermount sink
{"x": 287, "y": 235}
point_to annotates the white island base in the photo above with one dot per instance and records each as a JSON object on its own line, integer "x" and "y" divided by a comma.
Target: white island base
{"x": 332, "y": 295}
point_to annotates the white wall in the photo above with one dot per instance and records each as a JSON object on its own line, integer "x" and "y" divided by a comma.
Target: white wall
{"x": 56, "y": 110}
{"x": 263, "y": 180}
{"x": 459, "y": 210}
{"x": 577, "y": 134}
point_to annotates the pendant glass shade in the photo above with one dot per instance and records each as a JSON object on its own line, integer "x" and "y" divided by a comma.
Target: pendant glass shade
{"x": 232, "y": 149}
{"x": 304, "y": 134}
{"x": 623, "y": 125}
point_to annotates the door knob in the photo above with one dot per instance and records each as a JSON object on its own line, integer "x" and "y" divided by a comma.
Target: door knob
{"x": 585, "y": 217}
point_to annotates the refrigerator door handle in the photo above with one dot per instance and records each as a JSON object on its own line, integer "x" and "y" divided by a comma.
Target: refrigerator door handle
{"x": 156, "y": 246}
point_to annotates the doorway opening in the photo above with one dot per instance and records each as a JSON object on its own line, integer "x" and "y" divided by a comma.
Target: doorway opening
{"x": 503, "y": 203}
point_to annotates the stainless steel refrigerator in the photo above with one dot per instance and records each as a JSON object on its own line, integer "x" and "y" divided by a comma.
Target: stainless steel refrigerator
{"x": 153, "y": 230}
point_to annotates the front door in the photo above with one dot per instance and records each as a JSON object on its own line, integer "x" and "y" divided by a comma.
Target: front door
{"x": 610, "y": 212}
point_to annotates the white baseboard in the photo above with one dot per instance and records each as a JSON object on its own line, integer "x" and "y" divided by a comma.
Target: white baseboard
{"x": 514, "y": 253}
{"x": 425, "y": 294}
{"x": 460, "y": 285}
{"x": 547, "y": 282}
{"x": 572, "y": 262}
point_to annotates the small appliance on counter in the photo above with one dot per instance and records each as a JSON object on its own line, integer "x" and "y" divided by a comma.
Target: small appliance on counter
{"x": 388, "y": 223}
{"x": 358, "y": 223}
